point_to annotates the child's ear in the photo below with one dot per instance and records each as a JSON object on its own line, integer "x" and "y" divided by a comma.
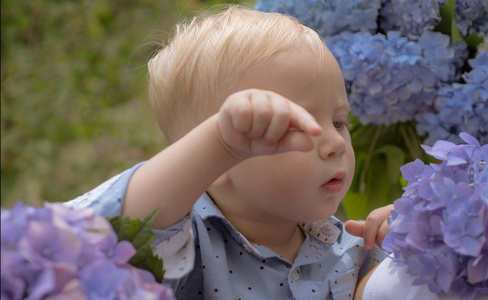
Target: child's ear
{"x": 221, "y": 181}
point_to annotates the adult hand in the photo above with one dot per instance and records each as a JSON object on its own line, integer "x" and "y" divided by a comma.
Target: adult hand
{"x": 374, "y": 229}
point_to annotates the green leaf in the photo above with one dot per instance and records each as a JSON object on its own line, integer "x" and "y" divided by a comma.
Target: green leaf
{"x": 395, "y": 158}
{"x": 378, "y": 183}
{"x": 473, "y": 40}
{"x": 402, "y": 181}
{"x": 448, "y": 25}
{"x": 361, "y": 135}
{"x": 379, "y": 188}
{"x": 139, "y": 233}
{"x": 456, "y": 35}
{"x": 361, "y": 157}
{"x": 447, "y": 15}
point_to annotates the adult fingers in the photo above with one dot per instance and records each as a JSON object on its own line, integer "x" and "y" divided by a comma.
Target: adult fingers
{"x": 354, "y": 227}
{"x": 373, "y": 223}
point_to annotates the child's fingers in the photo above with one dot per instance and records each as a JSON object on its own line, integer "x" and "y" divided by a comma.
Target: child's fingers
{"x": 304, "y": 121}
{"x": 294, "y": 141}
{"x": 291, "y": 126}
{"x": 262, "y": 114}
{"x": 239, "y": 112}
{"x": 280, "y": 122}
{"x": 262, "y": 122}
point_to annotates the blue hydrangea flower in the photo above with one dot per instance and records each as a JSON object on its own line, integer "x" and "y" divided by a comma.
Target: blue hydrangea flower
{"x": 471, "y": 16}
{"x": 328, "y": 17}
{"x": 389, "y": 78}
{"x": 392, "y": 77}
{"x": 459, "y": 107}
{"x": 442, "y": 234}
{"x": 444, "y": 58}
{"x": 411, "y": 18}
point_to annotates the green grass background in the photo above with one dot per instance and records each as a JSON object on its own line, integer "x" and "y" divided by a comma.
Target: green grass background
{"x": 74, "y": 106}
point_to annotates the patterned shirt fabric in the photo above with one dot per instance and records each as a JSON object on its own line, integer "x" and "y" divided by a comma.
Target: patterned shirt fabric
{"x": 205, "y": 257}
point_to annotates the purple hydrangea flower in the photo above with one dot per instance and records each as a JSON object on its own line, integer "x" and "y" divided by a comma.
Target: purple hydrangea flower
{"x": 58, "y": 252}
{"x": 425, "y": 233}
{"x": 477, "y": 268}
{"x": 437, "y": 271}
{"x": 464, "y": 229}
{"x": 439, "y": 227}
{"x": 419, "y": 176}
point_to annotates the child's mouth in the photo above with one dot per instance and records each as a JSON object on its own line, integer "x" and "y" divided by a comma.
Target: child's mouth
{"x": 335, "y": 184}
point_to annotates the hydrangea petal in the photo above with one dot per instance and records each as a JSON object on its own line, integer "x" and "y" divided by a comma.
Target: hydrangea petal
{"x": 478, "y": 269}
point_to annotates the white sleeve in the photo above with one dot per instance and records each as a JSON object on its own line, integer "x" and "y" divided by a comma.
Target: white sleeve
{"x": 175, "y": 246}
{"x": 390, "y": 281}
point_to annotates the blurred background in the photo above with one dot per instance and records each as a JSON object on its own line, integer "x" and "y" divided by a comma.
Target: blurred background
{"x": 74, "y": 106}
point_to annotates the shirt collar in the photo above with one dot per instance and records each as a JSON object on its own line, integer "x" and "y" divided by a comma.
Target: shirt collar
{"x": 328, "y": 230}
{"x": 205, "y": 207}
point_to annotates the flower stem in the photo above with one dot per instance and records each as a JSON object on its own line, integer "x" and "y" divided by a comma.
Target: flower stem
{"x": 372, "y": 147}
{"x": 409, "y": 138}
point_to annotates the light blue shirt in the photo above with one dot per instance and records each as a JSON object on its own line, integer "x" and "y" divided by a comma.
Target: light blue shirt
{"x": 205, "y": 257}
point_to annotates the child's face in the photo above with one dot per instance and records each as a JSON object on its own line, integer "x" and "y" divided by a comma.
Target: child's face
{"x": 299, "y": 186}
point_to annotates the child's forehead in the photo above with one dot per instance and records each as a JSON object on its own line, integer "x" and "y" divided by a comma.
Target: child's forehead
{"x": 296, "y": 73}
{"x": 298, "y": 59}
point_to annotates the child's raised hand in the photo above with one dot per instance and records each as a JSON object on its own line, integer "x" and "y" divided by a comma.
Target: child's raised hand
{"x": 257, "y": 122}
{"x": 374, "y": 229}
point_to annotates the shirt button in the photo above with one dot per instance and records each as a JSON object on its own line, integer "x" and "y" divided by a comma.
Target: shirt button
{"x": 295, "y": 274}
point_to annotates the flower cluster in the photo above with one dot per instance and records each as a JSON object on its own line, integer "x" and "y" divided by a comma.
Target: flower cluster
{"x": 459, "y": 107}
{"x": 471, "y": 16}
{"x": 439, "y": 227}
{"x": 389, "y": 78}
{"x": 395, "y": 63}
{"x": 328, "y": 17}
{"x": 58, "y": 252}
{"x": 411, "y": 18}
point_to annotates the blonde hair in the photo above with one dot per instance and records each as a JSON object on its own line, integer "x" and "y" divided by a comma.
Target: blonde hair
{"x": 207, "y": 55}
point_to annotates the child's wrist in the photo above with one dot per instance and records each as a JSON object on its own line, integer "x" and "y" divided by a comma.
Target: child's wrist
{"x": 231, "y": 154}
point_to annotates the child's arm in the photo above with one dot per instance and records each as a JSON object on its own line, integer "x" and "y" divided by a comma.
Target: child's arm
{"x": 374, "y": 229}
{"x": 249, "y": 123}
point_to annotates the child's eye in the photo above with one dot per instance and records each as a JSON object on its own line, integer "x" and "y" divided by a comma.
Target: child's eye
{"x": 340, "y": 124}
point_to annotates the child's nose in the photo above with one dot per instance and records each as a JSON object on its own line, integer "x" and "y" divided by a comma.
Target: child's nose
{"x": 332, "y": 144}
